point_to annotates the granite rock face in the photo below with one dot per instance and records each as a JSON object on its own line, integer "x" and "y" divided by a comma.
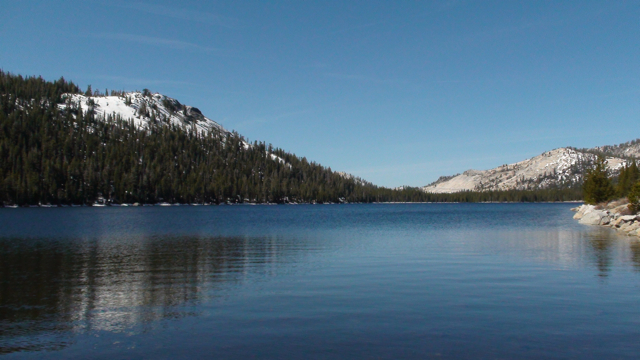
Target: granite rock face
{"x": 594, "y": 217}
{"x": 558, "y": 167}
{"x": 581, "y": 210}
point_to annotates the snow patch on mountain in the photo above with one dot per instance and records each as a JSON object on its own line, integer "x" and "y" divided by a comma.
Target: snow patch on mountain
{"x": 145, "y": 108}
{"x": 142, "y": 109}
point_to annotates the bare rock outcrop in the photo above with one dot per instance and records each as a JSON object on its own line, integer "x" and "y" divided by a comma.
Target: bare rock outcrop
{"x": 594, "y": 217}
{"x": 581, "y": 210}
{"x": 615, "y": 214}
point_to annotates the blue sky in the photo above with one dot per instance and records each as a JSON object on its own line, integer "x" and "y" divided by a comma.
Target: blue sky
{"x": 396, "y": 92}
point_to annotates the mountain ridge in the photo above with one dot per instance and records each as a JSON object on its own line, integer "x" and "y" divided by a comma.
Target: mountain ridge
{"x": 560, "y": 168}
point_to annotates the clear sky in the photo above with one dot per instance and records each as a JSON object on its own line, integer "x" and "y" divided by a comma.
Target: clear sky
{"x": 396, "y": 92}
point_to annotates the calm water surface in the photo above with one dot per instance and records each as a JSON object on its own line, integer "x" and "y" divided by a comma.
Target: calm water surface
{"x": 447, "y": 281}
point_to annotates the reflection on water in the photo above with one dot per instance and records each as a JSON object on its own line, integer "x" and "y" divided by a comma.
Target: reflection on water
{"x": 51, "y": 288}
{"x": 635, "y": 254}
{"x": 602, "y": 245}
{"x": 356, "y": 281}
{"x": 594, "y": 247}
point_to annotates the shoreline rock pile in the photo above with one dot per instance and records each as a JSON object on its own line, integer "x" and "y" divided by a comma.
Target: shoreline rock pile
{"x": 615, "y": 214}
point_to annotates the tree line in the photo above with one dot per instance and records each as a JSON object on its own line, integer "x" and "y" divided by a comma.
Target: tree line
{"x": 599, "y": 186}
{"x": 54, "y": 153}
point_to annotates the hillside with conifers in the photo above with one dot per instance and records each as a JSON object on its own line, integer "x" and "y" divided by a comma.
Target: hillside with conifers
{"x": 601, "y": 187}
{"x": 62, "y": 155}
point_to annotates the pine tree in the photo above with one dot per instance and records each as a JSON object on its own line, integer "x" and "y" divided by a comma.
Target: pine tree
{"x": 634, "y": 198}
{"x": 597, "y": 186}
{"x": 629, "y": 175}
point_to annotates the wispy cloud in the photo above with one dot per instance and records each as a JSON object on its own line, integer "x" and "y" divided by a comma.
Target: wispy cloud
{"x": 443, "y": 5}
{"x": 181, "y": 14}
{"x": 154, "y": 41}
{"x": 364, "y": 78}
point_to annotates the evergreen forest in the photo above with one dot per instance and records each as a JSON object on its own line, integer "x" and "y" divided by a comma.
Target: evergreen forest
{"x": 599, "y": 186}
{"x": 60, "y": 155}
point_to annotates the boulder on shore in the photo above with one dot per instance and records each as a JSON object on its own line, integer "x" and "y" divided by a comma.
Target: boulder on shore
{"x": 582, "y": 210}
{"x": 614, "y": 214}
{"x": 628, "y": 218}
{"x": 621, "y": 210}
{"x": 617, "y": 222}
{"x": 593, "y": 217}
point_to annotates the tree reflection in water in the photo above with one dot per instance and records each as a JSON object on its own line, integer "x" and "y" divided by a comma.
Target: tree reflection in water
{"x": 52, "y": 288}
{"x": 635, "y": 254}
{"x": 607, "y": 245}
{"x": 601, "y": 243}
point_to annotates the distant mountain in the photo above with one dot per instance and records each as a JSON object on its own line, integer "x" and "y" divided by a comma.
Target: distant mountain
{"x": 559, "y": 168}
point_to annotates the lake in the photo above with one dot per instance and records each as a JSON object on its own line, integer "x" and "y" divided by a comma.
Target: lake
{"x": 383, "y": 281}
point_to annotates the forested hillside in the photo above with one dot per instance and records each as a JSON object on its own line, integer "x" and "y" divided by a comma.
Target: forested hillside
{"x": 59, "y": 155}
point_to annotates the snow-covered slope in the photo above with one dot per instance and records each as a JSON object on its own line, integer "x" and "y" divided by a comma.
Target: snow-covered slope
{"x": 143, "y": 109}
{"x": 563, "y": 166}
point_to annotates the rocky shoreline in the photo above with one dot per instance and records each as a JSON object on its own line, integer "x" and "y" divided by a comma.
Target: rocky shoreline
{"x": 615, "y": 214}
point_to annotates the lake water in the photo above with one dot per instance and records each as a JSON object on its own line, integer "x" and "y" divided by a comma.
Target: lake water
{"x": 403, "y": 281}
